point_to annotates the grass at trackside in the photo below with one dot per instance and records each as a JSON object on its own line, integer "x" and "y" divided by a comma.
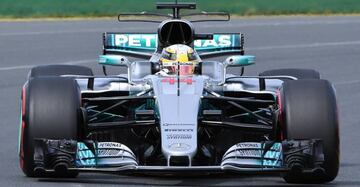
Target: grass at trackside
{"x": 101, "y": 8}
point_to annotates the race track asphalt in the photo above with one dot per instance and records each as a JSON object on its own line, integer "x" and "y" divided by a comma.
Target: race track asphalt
{"x": 329, "y": 44}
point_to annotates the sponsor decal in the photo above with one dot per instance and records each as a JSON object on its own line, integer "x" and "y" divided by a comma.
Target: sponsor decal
{"x": 257, "y": 153}
{"x": 217, "y": 41}
{"x": 249, "y": 153}
{"x": 178, "y": 130}
{"x": 108, "y": 145}
{"x": 249, "y": 145}
{"x": 136, "y": 40}
{"x": 150, "y": 41}
{"x": 108, "y": 152}
{"x": 179, "y": 124}
{"x": 178, "y": 136}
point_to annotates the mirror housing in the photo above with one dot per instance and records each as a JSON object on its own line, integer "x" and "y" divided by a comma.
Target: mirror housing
{"x": 114, "y": 60}
{"x": 239, "y": 60}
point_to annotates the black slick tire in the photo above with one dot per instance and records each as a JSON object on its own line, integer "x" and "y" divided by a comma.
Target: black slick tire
{"x": 50, "y": 111}
{"x": 310, "y": 112}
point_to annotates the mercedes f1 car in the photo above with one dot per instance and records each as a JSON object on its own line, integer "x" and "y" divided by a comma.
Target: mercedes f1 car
{"x": 177, "y": 111}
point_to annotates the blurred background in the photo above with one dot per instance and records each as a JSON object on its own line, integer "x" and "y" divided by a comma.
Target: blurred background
{"x": 105, "y": 8}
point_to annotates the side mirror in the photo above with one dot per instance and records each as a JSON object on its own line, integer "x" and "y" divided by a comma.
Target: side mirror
{"x": 114, "y": 60}
{"x": 239, "y": 60}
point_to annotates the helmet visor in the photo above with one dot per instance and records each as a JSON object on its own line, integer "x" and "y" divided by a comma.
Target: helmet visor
{"x": 186, "y": 69}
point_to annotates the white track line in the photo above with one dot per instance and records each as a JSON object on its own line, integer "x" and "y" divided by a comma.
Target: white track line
{"x": 31, "y": 66}
{"x": 57, "y": 32}
{"x": 347, "y": 82}
{"x": 101, "y": 30}
{"x": 312, "y": 45}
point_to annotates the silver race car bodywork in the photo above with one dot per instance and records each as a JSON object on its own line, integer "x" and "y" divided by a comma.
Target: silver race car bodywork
{"x": 177, "y": 103}
{"x": 148, "y": 120}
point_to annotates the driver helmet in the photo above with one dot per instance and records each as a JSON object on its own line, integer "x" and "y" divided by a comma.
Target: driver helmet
{"x": 187, "y": 58}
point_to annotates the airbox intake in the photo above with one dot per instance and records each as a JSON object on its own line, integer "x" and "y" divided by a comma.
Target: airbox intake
{"x": 175, "y": 32}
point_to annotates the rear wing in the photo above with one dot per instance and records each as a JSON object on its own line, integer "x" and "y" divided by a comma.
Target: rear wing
{"x": 145, "y": 44}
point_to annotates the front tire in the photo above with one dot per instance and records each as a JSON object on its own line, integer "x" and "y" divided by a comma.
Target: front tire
{"x": 50, "y": 111}
{"x": 310, "y": 112}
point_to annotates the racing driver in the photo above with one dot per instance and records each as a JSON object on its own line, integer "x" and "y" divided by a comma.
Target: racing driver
{"x": 181, "y": 56}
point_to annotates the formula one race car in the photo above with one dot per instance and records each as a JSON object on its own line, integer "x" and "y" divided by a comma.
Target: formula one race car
{"x": 176, "y": 112}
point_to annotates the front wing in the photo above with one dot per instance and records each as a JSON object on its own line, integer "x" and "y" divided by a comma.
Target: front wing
{"x": 268, "y": 157}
